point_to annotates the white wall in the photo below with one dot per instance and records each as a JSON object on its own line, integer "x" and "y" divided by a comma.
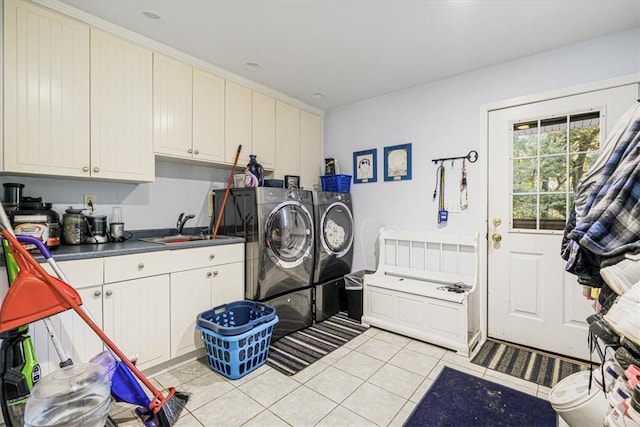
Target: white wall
{"x": 441, "y": 119}
{"x": 178, "y": 188}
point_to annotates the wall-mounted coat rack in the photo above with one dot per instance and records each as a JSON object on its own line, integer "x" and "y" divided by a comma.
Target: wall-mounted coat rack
{"x": 472, "y": 157}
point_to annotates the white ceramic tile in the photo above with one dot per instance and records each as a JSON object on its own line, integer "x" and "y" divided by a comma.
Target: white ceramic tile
{"x": 334, "y": 384}
{"x": 421, "y": 390}
{"x": 463, "y": 361}
{"x": 356, "y": 342}
{"x": 426, "y": 348}
{"x": 251, "y": 375}
{"x": 342, "y": 417}
{"x": 188, "y": 421}
{"x": 371, "y": 332}
{"x": 303, "y": 407}
{"x": 413, "y": 361}
{"x": 126, "y": 418}
{"x": 397, "y": 380}
{"x": 379, "y": 349}
{"x": 336, "y": 355}
{"x": 310, "y": 371}
{"x": 396, "y": 339}
{"x": 231, "y": 409}
{"x": 358, "y": 364}
{"x": 403, "y": 415}
{"x": 374, "y": 403}
{"x": 265, "y": 419}
{"x": 205, "y": 389}
{"x": 269, "y": 387}
{"x": 184, "y": 373}
{"x": 442, "y": 363}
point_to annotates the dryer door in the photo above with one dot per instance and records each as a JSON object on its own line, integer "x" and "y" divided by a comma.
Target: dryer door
{"x": 289, "y": 235}
{"x": 336, "y": 229}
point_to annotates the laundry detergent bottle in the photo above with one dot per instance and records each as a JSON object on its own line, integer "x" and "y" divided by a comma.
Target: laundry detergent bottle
{"x": 256, "y": 169}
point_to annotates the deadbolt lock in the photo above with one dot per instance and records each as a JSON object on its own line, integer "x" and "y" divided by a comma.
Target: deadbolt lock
{"x": 497, "y": 221}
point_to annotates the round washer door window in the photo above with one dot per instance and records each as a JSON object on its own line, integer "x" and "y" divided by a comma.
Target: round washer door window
{"x": 336, "y": 233}
{"x": 289, "y": 235}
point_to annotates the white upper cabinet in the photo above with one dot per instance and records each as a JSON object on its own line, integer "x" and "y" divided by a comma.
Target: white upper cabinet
{"x": 264, "y": 130}
{"x": 238, "y": 106}
{"x": 172, "y": 107}
{"x": 208, "y": 117}
{"x": 311, "y": 160}
{"x": 46, "y": 92}
{"x": 121, "y": 109}
{"x": 287, "y": 140}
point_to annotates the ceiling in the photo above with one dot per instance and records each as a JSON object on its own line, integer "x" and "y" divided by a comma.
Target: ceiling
{"x": 354, "y": 50}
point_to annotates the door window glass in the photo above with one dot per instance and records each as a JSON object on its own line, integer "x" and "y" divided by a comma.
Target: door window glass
{"x": 549, "y": 156}
{"x": 289, "y": 233}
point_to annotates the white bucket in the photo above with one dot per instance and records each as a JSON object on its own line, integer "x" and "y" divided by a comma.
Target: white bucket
{"x": 575, "y": 404}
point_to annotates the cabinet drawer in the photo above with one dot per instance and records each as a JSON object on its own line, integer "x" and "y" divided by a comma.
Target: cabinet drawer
{"x": 188, "y": 259}
{"x": 81, "y": 273}
{"x": 126, "y": 267}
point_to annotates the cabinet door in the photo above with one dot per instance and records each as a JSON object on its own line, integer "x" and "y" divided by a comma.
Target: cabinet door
{"x": 237, "y": 121}
{"x": 208, "y": 117}
{"x": 121, "y": 109}
{"x": 287, "y": 140}
{"x": 190, "y": 296}
{"x": 264, "y": 130}
{"x": 46, "y": 92}
{"x": 172, "y": 104}
{"x": 311, "y": 160}
{"x": 228, "y": 283}
{"x": 137, "y": 318}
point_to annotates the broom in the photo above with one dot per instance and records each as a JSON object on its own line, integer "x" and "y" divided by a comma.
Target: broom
{"x": 167, "y": 408}
{"x": 226, "y": 194}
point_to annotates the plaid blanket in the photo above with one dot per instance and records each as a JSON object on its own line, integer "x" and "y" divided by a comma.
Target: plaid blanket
{"x": 610, "y": 221}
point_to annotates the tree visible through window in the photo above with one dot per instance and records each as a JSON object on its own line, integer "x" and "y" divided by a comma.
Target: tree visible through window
{"x": 549, "y": 156}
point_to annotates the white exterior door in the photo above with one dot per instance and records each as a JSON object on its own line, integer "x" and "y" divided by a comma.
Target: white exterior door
{"x": 537, "y": 152}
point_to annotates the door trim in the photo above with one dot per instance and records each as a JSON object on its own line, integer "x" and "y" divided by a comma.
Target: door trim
{"x": 483, "y": 192}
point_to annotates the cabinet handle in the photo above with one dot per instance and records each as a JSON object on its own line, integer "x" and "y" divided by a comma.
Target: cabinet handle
{"x": 109, "y": 293}
{"x": 190, "y": 150}
{"x": 97, "y": 293}
{"x": 209, "y": 274}
{"x": 85, "y": 169}
{"x": 140, "y": 266}
{"x": 196, "y": 152}
{"x": 215, "y": 273}
{"x": 96, "y": 169}
{"x": 212, "y": 256}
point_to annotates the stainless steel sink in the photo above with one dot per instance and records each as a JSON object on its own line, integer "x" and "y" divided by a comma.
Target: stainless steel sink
{"x": 178, "y": 238}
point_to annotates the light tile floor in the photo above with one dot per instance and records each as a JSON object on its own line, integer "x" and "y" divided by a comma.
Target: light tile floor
{"x": 376, "y": 379}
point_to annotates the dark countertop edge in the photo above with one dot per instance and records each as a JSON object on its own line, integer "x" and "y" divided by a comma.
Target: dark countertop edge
{"x": 128, "y": 247}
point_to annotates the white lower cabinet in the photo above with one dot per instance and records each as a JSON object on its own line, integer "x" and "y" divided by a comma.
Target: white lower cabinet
{"x": 136, "y": 317}
{"x": 78, "y": 340}
{"x": 200, "y": 289}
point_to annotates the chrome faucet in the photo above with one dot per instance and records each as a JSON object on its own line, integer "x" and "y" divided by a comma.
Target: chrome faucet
{"x": 182, "y": 220}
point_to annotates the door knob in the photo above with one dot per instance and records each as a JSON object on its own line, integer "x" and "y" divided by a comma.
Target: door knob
{"x": 496, "y": 237}
{"x": 497, "y": 221}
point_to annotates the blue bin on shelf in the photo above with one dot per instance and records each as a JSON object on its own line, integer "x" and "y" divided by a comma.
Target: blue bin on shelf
{"x": 237, "y": 336}
{"x": 336, "y": 183}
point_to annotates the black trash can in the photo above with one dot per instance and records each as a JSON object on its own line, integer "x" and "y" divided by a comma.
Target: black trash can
{"x": 353, "y": 287}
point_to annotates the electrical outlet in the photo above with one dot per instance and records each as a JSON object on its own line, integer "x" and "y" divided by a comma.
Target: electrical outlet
{"x": 90, "y": 201}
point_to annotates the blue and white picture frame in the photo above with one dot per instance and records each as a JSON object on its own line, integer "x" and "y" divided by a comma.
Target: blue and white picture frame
{"x": 365, "y": 166}
{"x": 397, "y": 162}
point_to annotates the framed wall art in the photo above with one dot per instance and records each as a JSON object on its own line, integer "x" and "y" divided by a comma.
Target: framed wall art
{"x": 365, "y": 167}
{"x": 397, "y": 162}
{"x": 292, "y": 181}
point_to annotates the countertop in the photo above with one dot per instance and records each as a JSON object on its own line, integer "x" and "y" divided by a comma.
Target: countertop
{"x": 131, "y": 246}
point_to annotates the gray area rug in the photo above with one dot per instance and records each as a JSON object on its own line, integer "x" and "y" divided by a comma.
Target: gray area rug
{"x": 535, "y": 366}
{"x": 294, "y": 352}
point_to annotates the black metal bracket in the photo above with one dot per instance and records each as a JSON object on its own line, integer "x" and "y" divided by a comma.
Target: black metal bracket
{"x": 472, "y": 157}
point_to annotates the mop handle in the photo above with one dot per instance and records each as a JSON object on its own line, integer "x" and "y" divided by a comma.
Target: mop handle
{"x": 16, "y": 246}
{"x": 226, "y": 193}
